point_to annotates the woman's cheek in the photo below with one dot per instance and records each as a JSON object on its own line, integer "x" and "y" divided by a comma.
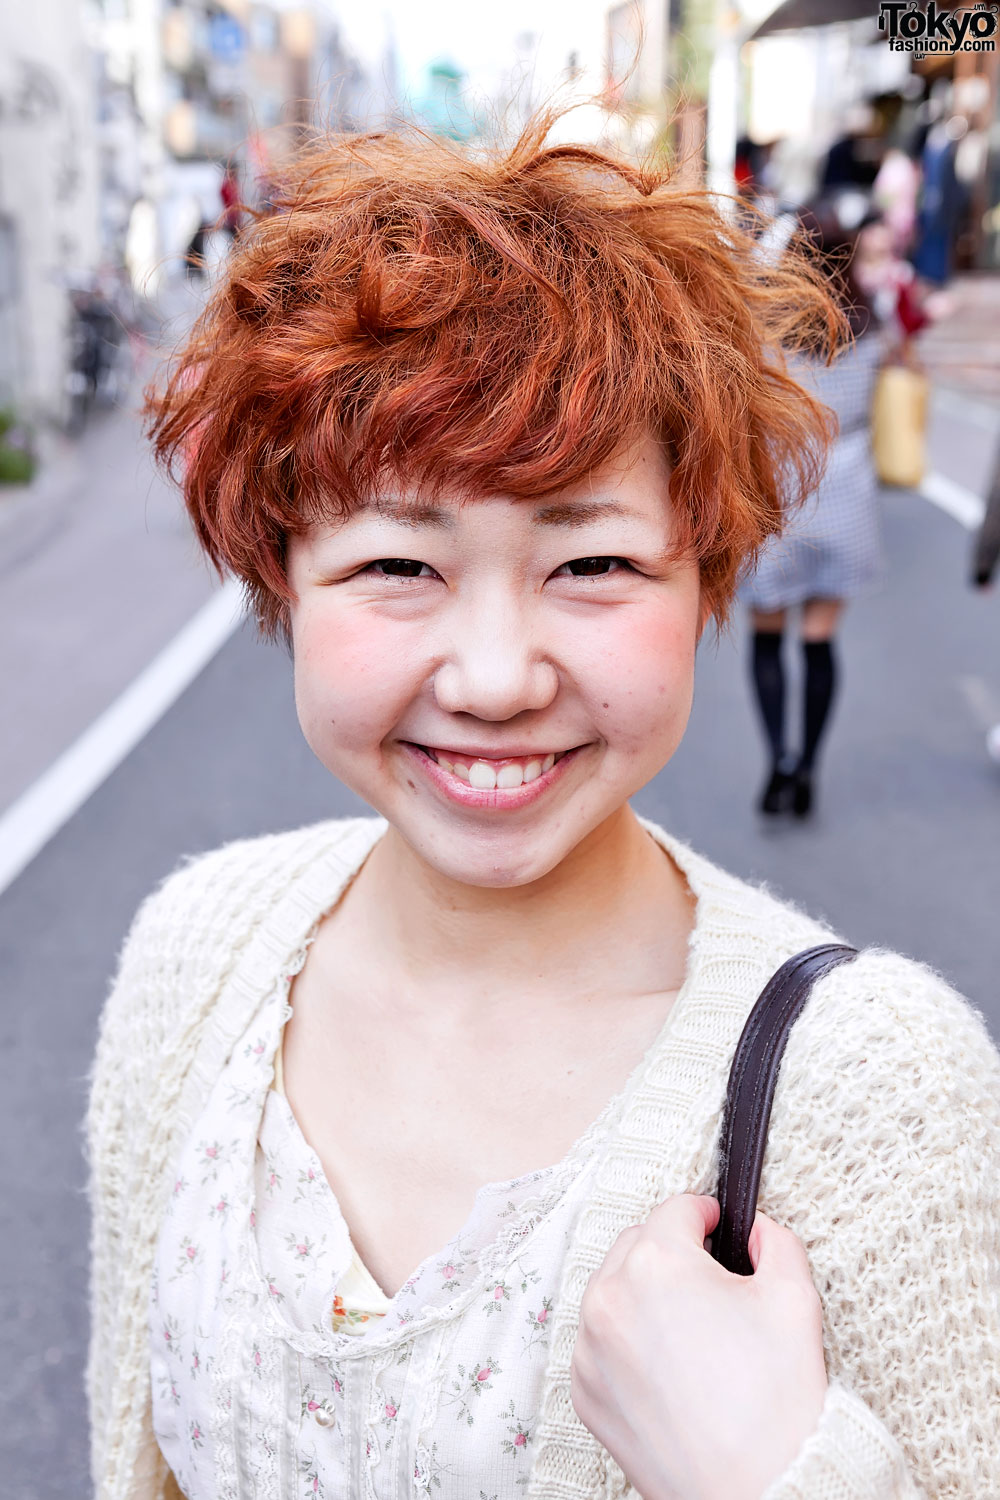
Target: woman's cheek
{"x": 349, "y": 685}
{"x": 649, "y": 670}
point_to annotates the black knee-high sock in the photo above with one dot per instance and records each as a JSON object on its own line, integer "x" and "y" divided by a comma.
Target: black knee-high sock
{"x": 820, "y": 682}
{"x": 769, "y": 681}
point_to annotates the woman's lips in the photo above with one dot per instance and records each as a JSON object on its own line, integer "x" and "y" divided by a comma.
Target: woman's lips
{"x": 545, "y": 771}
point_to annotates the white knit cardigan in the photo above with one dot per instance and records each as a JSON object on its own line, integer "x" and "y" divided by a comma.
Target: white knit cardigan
{"x": 883, "y": 1156}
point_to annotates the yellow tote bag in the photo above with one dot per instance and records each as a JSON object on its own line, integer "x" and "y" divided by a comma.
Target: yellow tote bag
{"x": 899, "y": 425}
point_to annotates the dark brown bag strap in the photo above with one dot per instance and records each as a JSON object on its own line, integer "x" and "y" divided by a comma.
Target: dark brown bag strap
{"x": 751, "y": 1090}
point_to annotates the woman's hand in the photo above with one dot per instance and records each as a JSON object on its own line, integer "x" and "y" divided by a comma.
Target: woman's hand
{"x": 701, "y": 1385}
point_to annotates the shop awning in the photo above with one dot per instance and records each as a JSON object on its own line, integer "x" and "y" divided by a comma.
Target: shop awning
{"x": 791, "y": 15}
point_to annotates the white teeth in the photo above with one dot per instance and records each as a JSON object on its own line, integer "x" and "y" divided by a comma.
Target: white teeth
{"x": 485, "y": 777}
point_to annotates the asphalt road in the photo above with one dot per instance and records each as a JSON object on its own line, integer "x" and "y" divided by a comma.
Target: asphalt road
{"x": 904, "y": 852}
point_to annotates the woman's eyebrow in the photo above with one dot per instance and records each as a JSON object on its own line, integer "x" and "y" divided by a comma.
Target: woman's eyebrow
{"x": 575, "y": 514}
{"x": 580, "y": 512}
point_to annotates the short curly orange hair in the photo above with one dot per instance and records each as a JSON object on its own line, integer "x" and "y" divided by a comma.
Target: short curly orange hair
{"x": 499, "y": 323}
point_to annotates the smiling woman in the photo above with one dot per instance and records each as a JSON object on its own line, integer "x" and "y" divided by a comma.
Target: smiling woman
{"x": 403, "y": 1129}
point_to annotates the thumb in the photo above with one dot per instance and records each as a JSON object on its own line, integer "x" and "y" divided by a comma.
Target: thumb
{"x": 776, "y": 1251}
{"x": 686, "y": 1216}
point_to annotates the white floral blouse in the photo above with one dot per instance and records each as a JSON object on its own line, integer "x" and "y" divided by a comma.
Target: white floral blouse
{"x": 281, "y": 1370}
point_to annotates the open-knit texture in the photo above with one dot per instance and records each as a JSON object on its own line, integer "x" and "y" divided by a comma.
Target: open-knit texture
{"x": 883, "y": 1156}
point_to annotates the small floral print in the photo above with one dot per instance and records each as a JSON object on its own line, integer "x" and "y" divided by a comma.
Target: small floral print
{"x": 256, "y": 1048}
{"x": 538, "y": 1324}
{"x": 312, "y": 1402}
{"x": 195, "y": 1434}
{"x": 499, "y": 1294}
{"x": 450, "y": 1274}
{"x": 347, "y": 1318}
{"x": 169, "y": 1391}
{"x": 312, "y": 1484}
{"x": 220, "y": 1208}
{"x": 519, "y": 1433}
{"x": 195, "y": 1364}
{"x": 310, "y": 1184}
{"x": 303, "y": 1250}
{"x": 273, "y": 1289}
{"x": 256, "y": 1361}
{"x": 472, "y": 1382}
{"x": 237, "y": 1098}
{"x": 213, "y": 1156}
{"x": 529, "y": 1277}
{"x": 188, "y": 1258}
{"x": 171, "y": 1334}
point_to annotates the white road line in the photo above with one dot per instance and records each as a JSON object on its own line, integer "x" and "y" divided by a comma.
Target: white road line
{"x": 967, "y": 409}
{"x": 981, "y": 700}
{"x": 961, "y": 504}
{"x": 29, "y": 823}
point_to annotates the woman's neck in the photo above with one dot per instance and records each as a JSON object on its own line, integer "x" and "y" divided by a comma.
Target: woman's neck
{"x": 616, "y": 909}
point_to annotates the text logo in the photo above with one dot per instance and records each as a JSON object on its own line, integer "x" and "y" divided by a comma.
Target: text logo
{"x": 909, "y": 28}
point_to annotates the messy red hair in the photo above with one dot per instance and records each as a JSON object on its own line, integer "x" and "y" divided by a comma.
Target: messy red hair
{"x": 494, "y": 322}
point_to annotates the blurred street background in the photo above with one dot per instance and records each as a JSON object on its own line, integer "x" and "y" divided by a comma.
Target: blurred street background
{"x": 142, "y": 721}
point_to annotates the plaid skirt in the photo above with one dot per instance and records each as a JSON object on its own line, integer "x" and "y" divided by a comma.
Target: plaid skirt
{"x": 832, "y": 547}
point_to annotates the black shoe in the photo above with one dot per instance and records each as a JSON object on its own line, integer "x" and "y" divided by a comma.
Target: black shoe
{"x": 802, "y": 792}
{"x": 776, "y": 797}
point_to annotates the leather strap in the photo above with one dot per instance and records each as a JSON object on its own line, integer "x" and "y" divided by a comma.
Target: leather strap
{"x": 750, "y": 1094}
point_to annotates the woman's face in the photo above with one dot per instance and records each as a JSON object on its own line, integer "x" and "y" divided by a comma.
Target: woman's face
{"x": 497, "y": 678}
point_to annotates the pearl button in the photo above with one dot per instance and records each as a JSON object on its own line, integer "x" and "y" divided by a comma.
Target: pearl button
{"x": 325, "y": 1418}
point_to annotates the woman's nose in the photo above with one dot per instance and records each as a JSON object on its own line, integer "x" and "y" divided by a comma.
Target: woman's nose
{"x": 494, "y": 664}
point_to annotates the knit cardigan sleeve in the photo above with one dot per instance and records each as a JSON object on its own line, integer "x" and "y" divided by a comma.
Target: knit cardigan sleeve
{"x": 891, "y": 1178}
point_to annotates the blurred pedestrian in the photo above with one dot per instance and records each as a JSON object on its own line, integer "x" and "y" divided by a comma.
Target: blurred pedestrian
{"x": 941, "y": 203}
{"x": 985, "y": 555}
{"x": 229, "y": 192}
{"x": 854, "y": 158}
{"x": 830, "y": 550}
{"x": 896, "y": 191}
{"x": 194, "y": 256}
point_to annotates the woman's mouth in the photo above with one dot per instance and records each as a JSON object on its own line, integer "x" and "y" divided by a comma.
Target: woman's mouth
{"x": 492, "y": 781}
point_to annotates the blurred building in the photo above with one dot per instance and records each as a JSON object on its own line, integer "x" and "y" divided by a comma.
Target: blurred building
{"x": 49, "y": 200}
{"x": 117, "y": 121}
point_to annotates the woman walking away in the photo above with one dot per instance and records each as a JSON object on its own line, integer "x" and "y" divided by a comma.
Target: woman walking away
{"x": 830, "y": 549}
{"x": 405, "y": 1131}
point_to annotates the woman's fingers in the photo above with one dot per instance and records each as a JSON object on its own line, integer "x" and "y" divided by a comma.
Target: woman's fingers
{"x": 685, "y": 1218}
{"x": 775, "y": 1250}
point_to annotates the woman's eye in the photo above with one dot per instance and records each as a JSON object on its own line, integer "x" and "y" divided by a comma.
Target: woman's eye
{"x": 596, "y": 567}
{"x": 396, "y": 567}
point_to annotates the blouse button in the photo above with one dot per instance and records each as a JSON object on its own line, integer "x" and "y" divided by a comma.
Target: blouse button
{"x": 325, "y": 1418}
